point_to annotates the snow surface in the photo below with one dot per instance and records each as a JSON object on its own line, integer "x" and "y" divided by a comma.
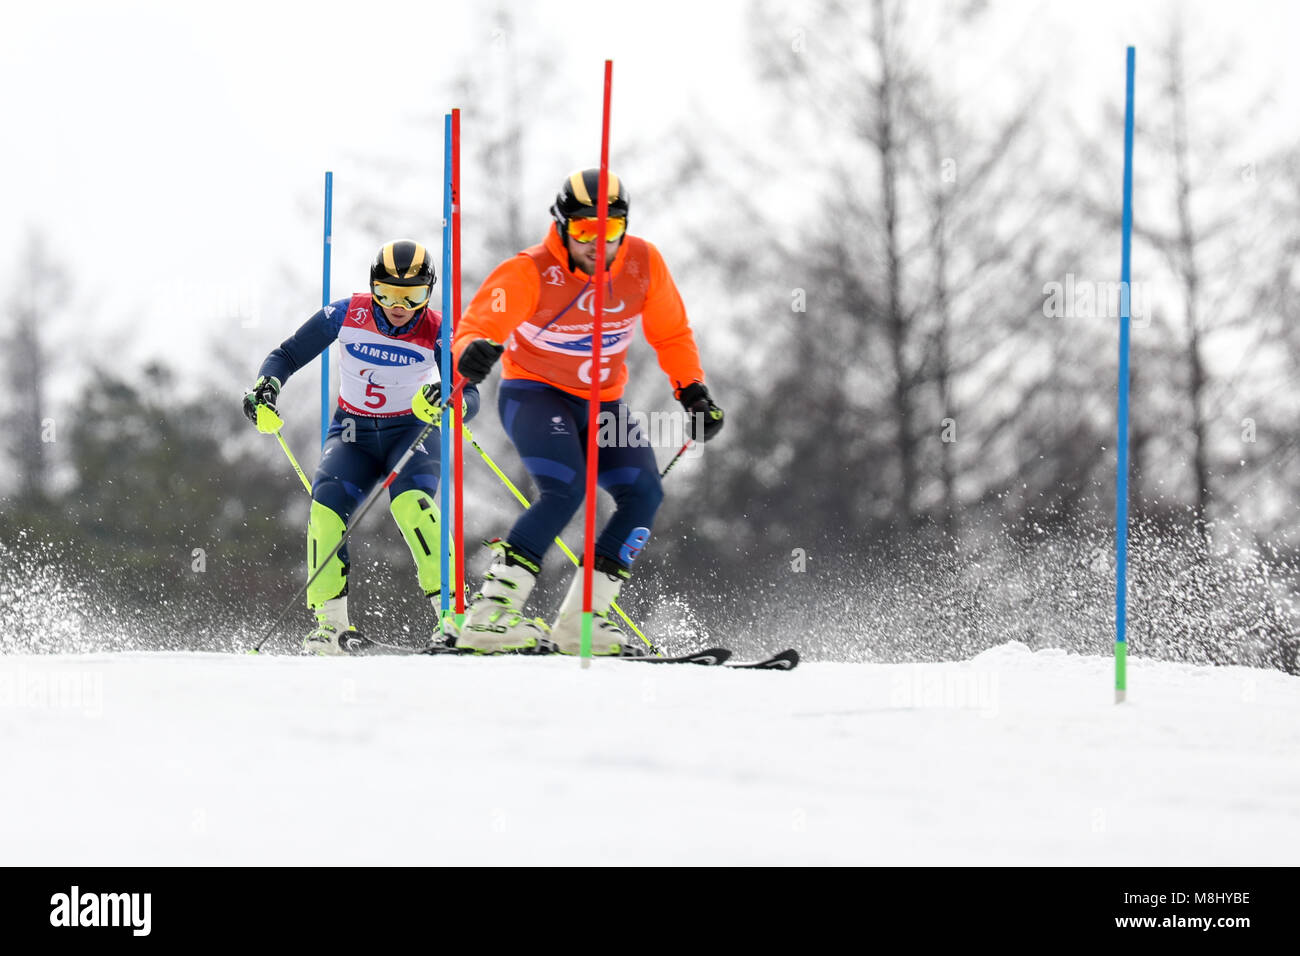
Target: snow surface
{"x": 1014, "y": 757}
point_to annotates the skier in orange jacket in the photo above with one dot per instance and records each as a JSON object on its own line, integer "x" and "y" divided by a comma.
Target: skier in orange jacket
{"x": 536, "y": 308}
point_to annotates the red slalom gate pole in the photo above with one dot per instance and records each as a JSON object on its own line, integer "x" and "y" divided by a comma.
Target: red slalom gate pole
{"x": 593, "y": 408}
{"x": 457, "y": 443}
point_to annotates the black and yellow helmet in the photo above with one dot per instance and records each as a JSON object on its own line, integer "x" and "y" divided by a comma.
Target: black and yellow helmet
{"x": 578, "y": 196}
{"x": 402, "y": 275}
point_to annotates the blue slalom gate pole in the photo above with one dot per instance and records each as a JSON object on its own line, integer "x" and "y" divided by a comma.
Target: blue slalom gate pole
{"x": 1121, "y": 445}
{"x": 324, "y": 302}
{"x": 445, "y": 371}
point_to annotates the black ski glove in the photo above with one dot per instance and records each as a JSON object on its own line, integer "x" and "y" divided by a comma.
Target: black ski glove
{"x": 695, "y": 399}
{"x": 265, "y": 391}
{"x": 477, "y": 360}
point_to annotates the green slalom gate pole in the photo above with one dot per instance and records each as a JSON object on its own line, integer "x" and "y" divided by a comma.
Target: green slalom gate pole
{"x": 1121, "y": 445}
{"x": 445, "y": 579}
{"x": 327, "y": 245}
{"x": 593, "y": 407}
{"x": 457, "y": 415}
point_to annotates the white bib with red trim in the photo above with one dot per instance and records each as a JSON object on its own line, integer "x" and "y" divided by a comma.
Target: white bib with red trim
{"x": 380, "y": 374}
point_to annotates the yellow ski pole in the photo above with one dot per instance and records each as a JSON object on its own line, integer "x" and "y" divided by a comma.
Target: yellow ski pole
{"x": 523, "y": 500}
{"x": 269, "y": 423}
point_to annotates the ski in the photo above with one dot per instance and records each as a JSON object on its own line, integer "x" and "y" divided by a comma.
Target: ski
{"x": 438, "y": 650}
{"x": 787, "y": 660}
{"x": 435, "y": 650}
{"x": 365, "y": 647}
{"x": 710, "y": 657}
{"x": 449, "y": 650}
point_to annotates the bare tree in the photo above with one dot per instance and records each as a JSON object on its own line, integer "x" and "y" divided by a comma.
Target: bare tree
{"x": 1184, "y": 247}
{"x": 507, "y": 82}
{"x": 922, "y": 253}
{"x": 1200, "y": 220}
{"x": 27, "y": 422}
{"x": 888, "y": 140}
{"x": 989, "y": 241}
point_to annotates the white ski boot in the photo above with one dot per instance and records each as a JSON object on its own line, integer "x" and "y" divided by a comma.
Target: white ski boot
{"x": 494, "y": 621}
{"x": 444, "y": 628}
{"x": 333, "y": 636}
{"x": 607, "y": 638}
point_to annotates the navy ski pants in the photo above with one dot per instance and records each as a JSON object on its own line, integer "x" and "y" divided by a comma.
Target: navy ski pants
{"x": 549, "y": 429}
{"x": 359, "y": 455}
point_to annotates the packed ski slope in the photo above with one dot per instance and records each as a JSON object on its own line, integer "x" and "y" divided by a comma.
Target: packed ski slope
{"x": 1013, "y": 757}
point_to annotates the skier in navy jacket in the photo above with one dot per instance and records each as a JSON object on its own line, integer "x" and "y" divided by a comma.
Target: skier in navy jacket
{"x": 389, "y": 361}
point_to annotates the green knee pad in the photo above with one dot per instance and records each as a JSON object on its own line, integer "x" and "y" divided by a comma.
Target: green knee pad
{"x": 324, "y": 530}
{"x": 417, "y": 516}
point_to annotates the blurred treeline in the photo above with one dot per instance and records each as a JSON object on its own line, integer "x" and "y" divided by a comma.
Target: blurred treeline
{"x": 905, "y": 298}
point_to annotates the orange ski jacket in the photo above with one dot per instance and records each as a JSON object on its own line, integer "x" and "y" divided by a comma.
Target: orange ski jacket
{"x": 543, "y": 312}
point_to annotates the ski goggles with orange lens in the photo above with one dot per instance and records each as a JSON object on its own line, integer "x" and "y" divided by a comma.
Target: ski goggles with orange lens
{"x": 584, "y": 230}
{"x": 400, "y": 296}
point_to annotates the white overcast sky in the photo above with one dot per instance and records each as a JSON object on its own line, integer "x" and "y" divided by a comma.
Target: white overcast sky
{"x": 174, "y": 150}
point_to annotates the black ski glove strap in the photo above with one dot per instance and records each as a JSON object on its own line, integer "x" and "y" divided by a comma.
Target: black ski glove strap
{"x": 705, "y": 417}
{"x": 477, "y": 360}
